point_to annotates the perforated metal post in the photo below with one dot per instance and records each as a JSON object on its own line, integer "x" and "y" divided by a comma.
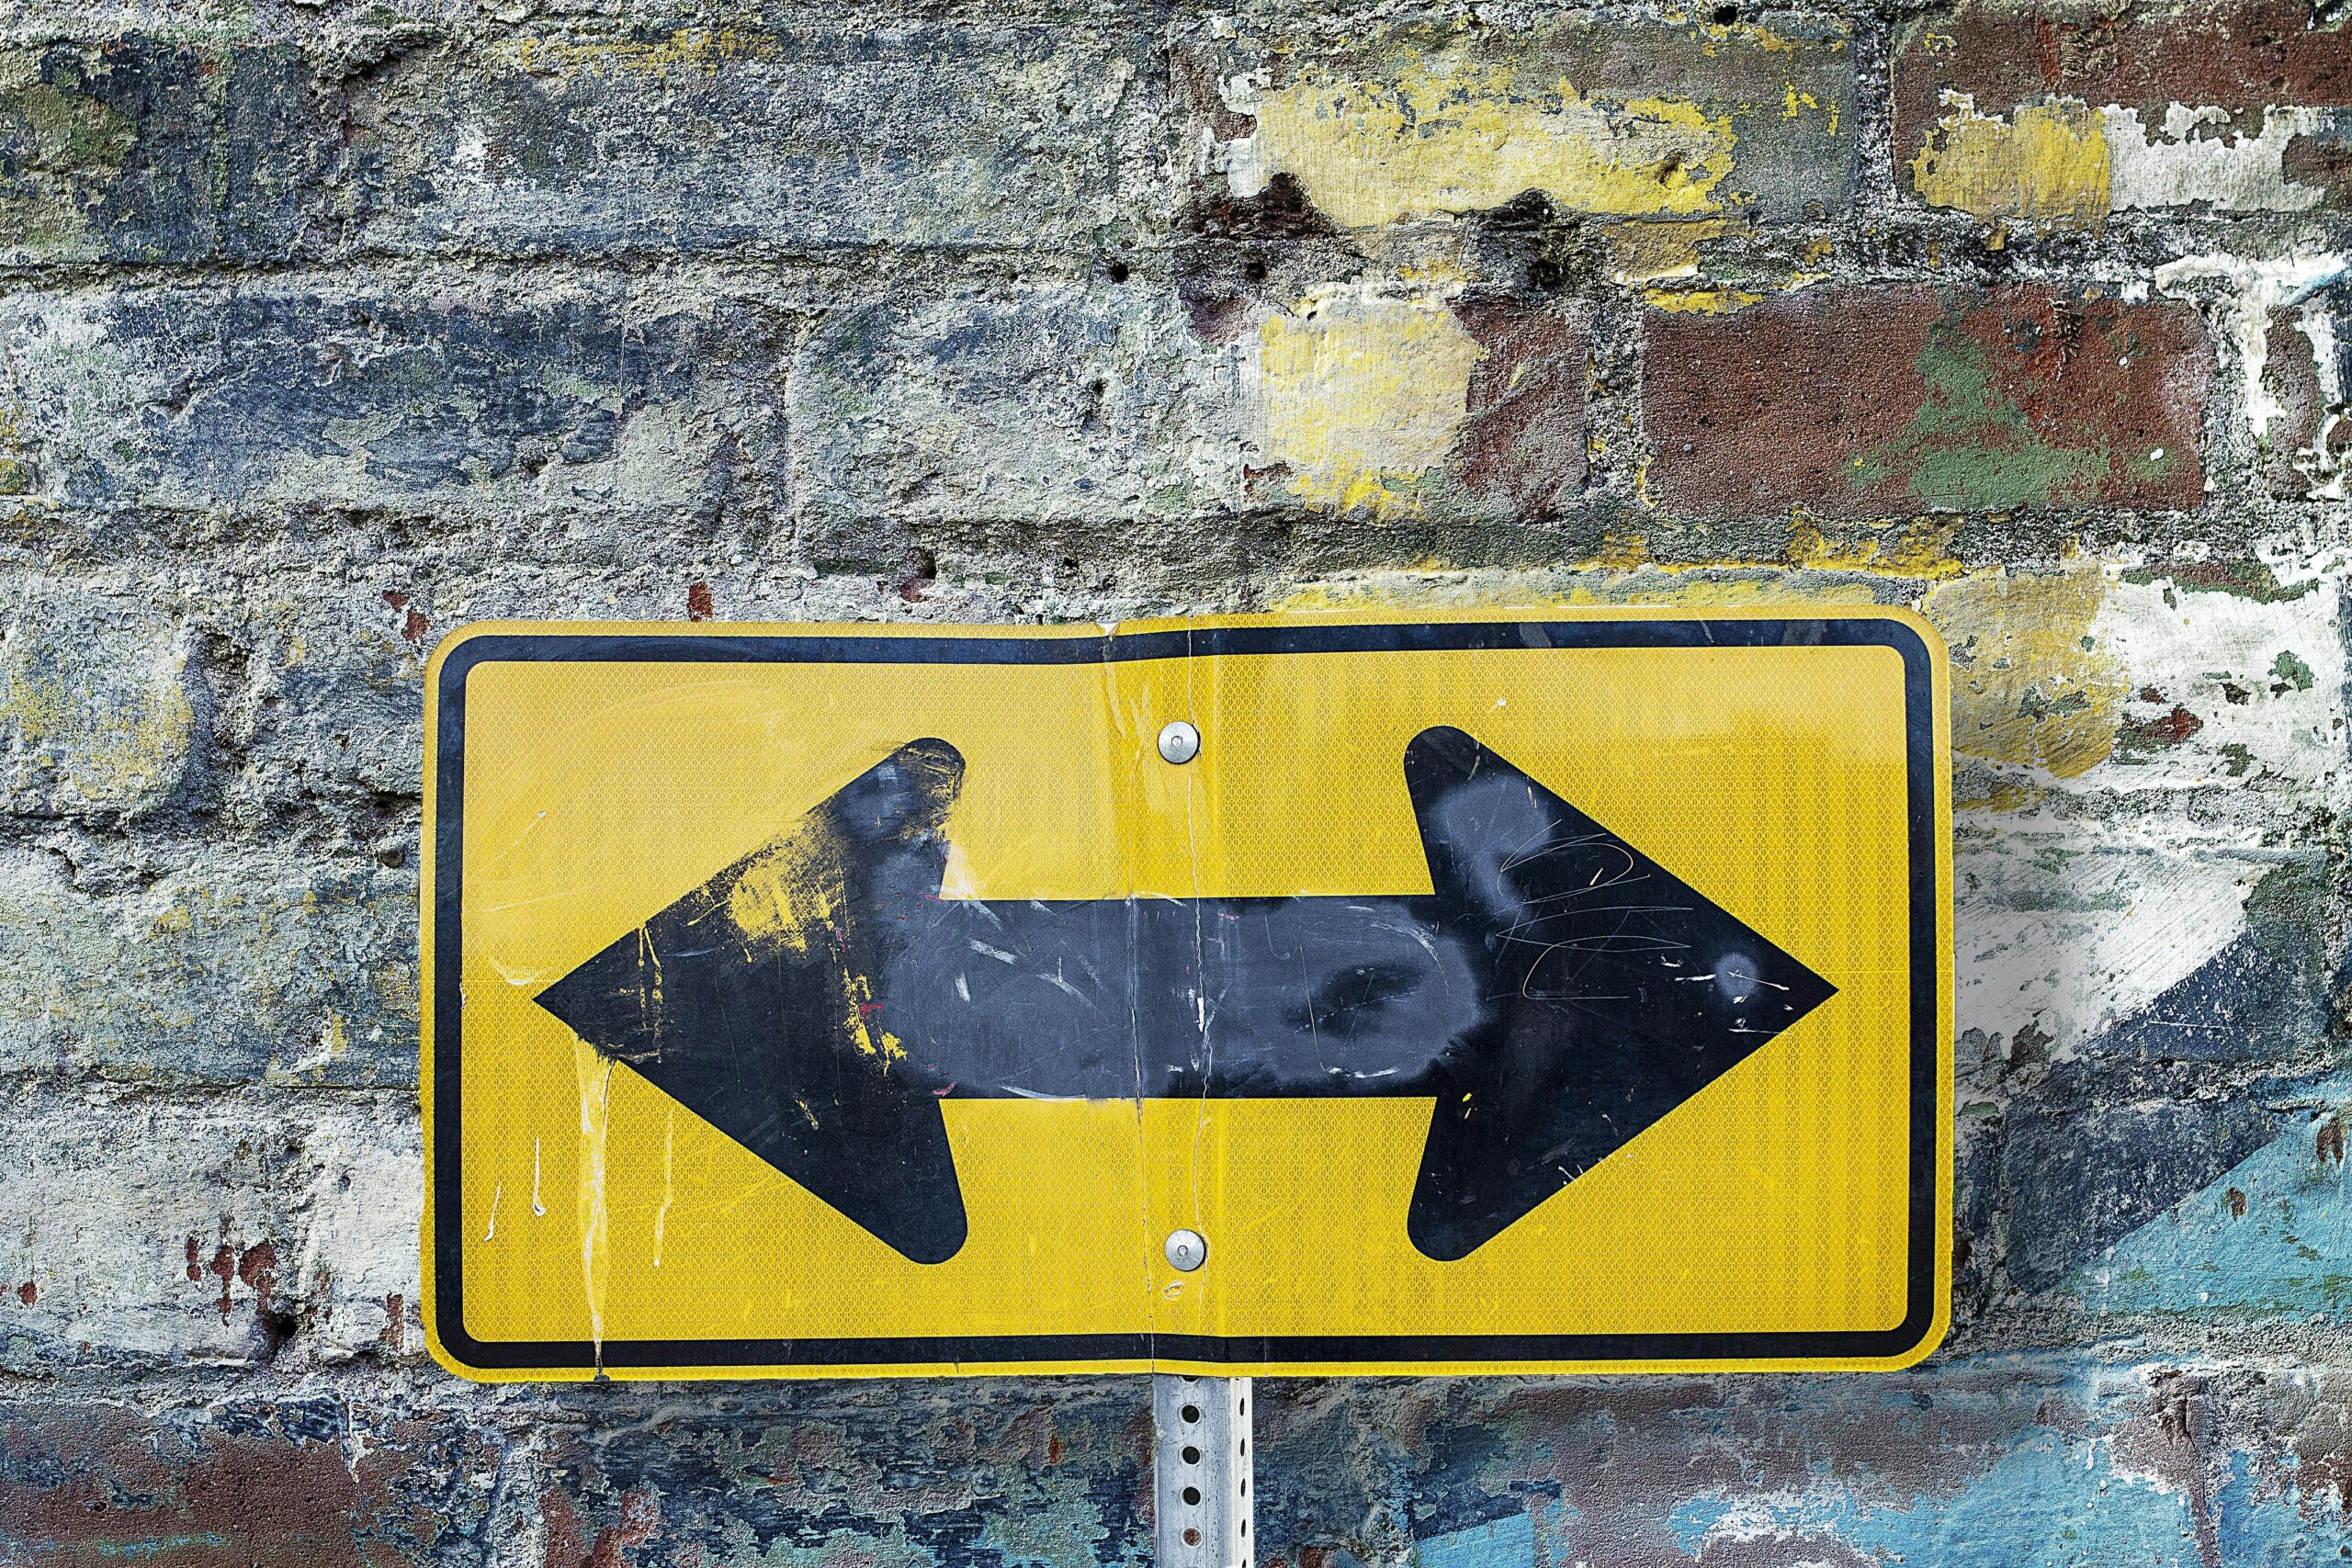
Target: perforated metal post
{"x": 1201, "y": 1472}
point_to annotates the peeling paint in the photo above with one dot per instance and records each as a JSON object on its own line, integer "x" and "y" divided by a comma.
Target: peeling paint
{"x": 2031, "y": 683}
{"x": 2259, "y": 289}
{"x": 1360, "y": 393}
{"x": 2065, "y": 164}
{"x": 1439, "y": 134}
{"x": 2048, "y": 163}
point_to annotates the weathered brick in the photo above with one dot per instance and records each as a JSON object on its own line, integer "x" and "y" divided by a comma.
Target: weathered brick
{"x": 815, "y": 137}
{"x": 2063, "y": 116}
{"x": 2103, "y": 1152}
{"x": 1619, "y": 118}
{"x": 1037, "y": 405}
{"x": 1977, "y": 1461}
{"x": 588, "y": 395}
{"x": 1390, "y": 403}
{"x": 317, "y": 1478}
{"x": 2303, "y": 405}
{"x": 2163, "y": 942}
{"x": 145, "y": 149}
{"x": 230, "y": 966}
{"x": 1858, "y": 403}
{"x": 323, "y": 691}
{"x": 1026, "y": 1472}
{"x": 101, "y": 715}
{"x": 244, "y": 1226}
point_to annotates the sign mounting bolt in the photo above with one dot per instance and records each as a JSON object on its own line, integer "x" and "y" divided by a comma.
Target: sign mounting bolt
{"x": 1179, "y": 743}
{"x": 1186, "y": 1251}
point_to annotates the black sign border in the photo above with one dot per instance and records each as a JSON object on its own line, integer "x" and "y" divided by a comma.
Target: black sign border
{"x": 653, "y": 1356}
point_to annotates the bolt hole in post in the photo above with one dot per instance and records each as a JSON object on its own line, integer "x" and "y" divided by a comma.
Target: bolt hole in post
{"x": 1200, "y": 1470}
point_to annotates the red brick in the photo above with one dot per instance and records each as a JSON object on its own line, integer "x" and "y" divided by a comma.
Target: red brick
{"x": 2237, "y": 57}
{"x": 241, "y": 1481}
{"x": 1860, "y": 402}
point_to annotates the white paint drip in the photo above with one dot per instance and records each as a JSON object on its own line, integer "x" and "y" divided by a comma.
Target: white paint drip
{"x": 2318, "y": 324}
{"x": 2261, "y": 287}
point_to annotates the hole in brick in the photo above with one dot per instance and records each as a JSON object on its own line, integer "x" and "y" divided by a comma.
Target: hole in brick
{"x": 1191, "y": 1413}
{"x": 1192, "y": 1496}
{"x": 1726, "y": 15}
{"x": 1192, "y": 1537}
{"x": 1118, "y": 272}
{"x": 1254, "y": 270}
{"x": 1191, "y": 1456}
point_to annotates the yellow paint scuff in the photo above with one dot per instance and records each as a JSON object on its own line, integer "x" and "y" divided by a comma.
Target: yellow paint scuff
{"x": 2047, "y": 163}
{"x": 1444, "y": 135}
{"x": 2029, "y": 682}
{"x": 1700, "y": 301}
{"x": 116, "y": 748}
{"x": 784, "y": 894}
{"x": 1917, "y": 551}
{"x": 1360, "y": 394}
{"x": 1653, "y": 252}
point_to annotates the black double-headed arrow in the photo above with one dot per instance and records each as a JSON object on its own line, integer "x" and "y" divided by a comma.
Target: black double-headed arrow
{"x": 1557, "y": 992}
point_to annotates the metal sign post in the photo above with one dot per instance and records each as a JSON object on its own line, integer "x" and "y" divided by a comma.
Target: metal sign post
{"x": 1201, "y": 1472}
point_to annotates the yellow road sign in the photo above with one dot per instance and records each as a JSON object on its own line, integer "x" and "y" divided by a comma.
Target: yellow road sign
{"x": 1537, "y": 990}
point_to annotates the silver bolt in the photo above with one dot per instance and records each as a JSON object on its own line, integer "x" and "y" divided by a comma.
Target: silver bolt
{"x": 1179, "y": 743}
{"x": 1186, "y": 1251}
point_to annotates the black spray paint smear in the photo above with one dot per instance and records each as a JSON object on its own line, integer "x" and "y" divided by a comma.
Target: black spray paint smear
{"x": 1555, "y": 993}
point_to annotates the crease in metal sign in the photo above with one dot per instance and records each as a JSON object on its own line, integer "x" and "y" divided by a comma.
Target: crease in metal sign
{"x": 986, "y": 999}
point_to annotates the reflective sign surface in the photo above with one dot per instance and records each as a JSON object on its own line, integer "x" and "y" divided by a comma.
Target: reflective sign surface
{"x": 1544, "y": 992}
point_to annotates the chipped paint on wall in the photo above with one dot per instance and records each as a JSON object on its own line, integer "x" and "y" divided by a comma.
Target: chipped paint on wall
{"x": 1358, "y": 393}
{"x": 2068, "y": 165}
{"x": 2258, "y": 288}
{"x": 1444, "y": 135}
{"x": 2064, "y": 927}
{"x": 1657, "y": 251}
{"x": 2271, "y": 1235}
{"x": 2169, "y": 676}
{"x": 2048, "y": 163}
{"x": 2226, "y": 686}
{"x": 2031, "y": 683}
{"x": 2312, "y": 451}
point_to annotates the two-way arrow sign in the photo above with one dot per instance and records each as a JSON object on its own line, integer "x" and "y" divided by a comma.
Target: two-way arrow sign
{"x": 1557, "y": 992}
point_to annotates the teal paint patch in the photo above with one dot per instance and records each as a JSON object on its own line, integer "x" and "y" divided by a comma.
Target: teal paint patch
{"x": 1498, "y": 1543}
{"x": 2273, "y": 1234}
{"x": 1714, "y": 1520}
{"x": 2053, "y": 1501}
{"x": 2272, "y": 1523}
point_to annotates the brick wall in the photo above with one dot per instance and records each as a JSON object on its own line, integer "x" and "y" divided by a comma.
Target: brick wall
{"x": 328, "y": 326}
